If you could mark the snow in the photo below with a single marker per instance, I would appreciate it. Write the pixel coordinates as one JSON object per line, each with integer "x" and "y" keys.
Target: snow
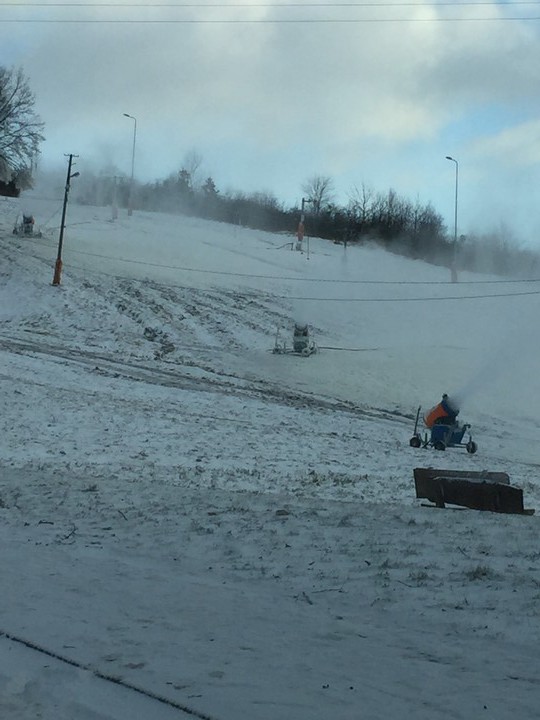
{"x": 235, "y": 531}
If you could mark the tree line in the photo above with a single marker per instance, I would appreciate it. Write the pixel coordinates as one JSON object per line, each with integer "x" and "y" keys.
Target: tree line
{"x": 407, "y": 227}
{"x": 400, "y": 225}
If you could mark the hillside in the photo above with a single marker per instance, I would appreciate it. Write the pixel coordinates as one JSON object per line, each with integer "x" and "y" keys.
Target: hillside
{"x": 233, "y": 530}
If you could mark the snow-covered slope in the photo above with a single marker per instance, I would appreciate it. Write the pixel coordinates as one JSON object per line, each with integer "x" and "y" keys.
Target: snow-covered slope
{"x": 235, "y": 530}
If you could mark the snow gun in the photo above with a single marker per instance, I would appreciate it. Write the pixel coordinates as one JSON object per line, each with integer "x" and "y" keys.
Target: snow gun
{"x": 445, "y": 429}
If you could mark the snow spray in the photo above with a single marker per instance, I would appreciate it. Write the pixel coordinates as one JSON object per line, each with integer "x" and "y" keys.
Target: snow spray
{"x": 500, "y": 363}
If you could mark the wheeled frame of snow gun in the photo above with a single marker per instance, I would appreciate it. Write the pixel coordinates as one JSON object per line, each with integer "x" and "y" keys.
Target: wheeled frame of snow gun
{"x": 26, "y": 226}
{"x": 443, "y": 435}
{"x": 303, "y": 343}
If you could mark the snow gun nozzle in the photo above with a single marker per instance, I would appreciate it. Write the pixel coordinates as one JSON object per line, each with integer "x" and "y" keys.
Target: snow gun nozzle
{"x": 445, "y": 412}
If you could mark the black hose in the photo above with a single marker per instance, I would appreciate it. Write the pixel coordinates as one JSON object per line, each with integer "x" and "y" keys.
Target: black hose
{"x": 105, "y": 676}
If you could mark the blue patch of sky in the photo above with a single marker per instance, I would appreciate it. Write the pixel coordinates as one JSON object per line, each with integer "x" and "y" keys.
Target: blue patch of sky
{"x": 486, "y": 121}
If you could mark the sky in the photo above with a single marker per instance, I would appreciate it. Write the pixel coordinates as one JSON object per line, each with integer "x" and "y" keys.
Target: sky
{"x": 271, "y": 94}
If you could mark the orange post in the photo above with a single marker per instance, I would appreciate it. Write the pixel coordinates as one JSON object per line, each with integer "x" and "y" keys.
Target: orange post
{"x": 57, "y": 272}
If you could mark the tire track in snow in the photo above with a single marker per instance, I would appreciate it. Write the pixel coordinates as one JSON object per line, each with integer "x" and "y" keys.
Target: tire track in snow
{"x": 227, "y": 384}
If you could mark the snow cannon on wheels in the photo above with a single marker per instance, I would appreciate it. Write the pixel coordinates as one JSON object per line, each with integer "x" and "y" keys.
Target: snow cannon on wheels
{"x": 303, "y": 342}
{"x": 445, "y": 429}
{"x": 26, "y": 226}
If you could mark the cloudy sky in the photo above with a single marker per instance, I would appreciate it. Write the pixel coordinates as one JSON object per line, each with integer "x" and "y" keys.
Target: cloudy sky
{"x": 272, "y": 93}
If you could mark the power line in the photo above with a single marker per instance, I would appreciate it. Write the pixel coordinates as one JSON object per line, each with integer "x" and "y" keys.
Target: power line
{"x": 202, "y": 6}
{"x": 261, "y": 295}
{"x": 413, "y": 299}
{"x": 337, "y": 281}
{"x": 277, "y": 6}
{"x": 271, "y": 21}
{"x": 312, "y": 299}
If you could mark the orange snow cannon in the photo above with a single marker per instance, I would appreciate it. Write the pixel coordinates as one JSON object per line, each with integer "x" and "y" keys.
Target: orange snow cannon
{"x": 446, "y": 431}
{"x": 443, "y": 413}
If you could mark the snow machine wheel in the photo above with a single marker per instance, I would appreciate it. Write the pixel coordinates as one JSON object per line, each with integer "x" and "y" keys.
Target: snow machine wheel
{"x": 472, "y": 447}
{"x": 415, "y": 442}
{"x": 439, "y": 445}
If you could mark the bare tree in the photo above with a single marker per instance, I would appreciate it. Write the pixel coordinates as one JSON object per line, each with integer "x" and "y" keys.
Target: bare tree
{"x": 360, "y": 204}
{"x": 320, "y": 190}
{"x": 20, "y": 127}
{"x": 192, "y": 164}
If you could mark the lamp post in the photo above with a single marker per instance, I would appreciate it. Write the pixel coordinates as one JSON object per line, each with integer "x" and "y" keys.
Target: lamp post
{"x": 114, "y": 199}
{"x": 453, "y": 269}
{"x": 300, "y": 231}
{"x": 58, "y": 265}
{"x": 130, "y": 200}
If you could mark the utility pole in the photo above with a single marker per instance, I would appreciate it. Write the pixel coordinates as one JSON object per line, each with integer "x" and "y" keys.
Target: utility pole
{"x": 301, "y": 228}
{"x": 58, "y": 265}
{"x": 114, "y": 200}
{"x": 130, "y": 200}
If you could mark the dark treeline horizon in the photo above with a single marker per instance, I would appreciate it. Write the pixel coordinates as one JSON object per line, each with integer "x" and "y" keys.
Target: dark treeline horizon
{"x": 412, "y": 229}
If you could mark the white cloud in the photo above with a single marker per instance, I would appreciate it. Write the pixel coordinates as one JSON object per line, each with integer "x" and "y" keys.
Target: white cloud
{"x": 261, "y": 98}
{"x": 515, "y": 146}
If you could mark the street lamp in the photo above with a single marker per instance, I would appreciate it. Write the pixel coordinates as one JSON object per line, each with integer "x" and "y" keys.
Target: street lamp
{"x": 130, "y": 200}
{"x": 300, "y": 231}
{"x": 453, "y": 269}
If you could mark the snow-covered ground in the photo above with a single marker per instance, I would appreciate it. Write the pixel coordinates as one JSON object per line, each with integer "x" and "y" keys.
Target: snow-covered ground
{"x": 193, "y": 526}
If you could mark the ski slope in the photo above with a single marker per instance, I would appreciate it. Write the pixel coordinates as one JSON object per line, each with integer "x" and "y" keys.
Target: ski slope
{"x": 234, "y": 531}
